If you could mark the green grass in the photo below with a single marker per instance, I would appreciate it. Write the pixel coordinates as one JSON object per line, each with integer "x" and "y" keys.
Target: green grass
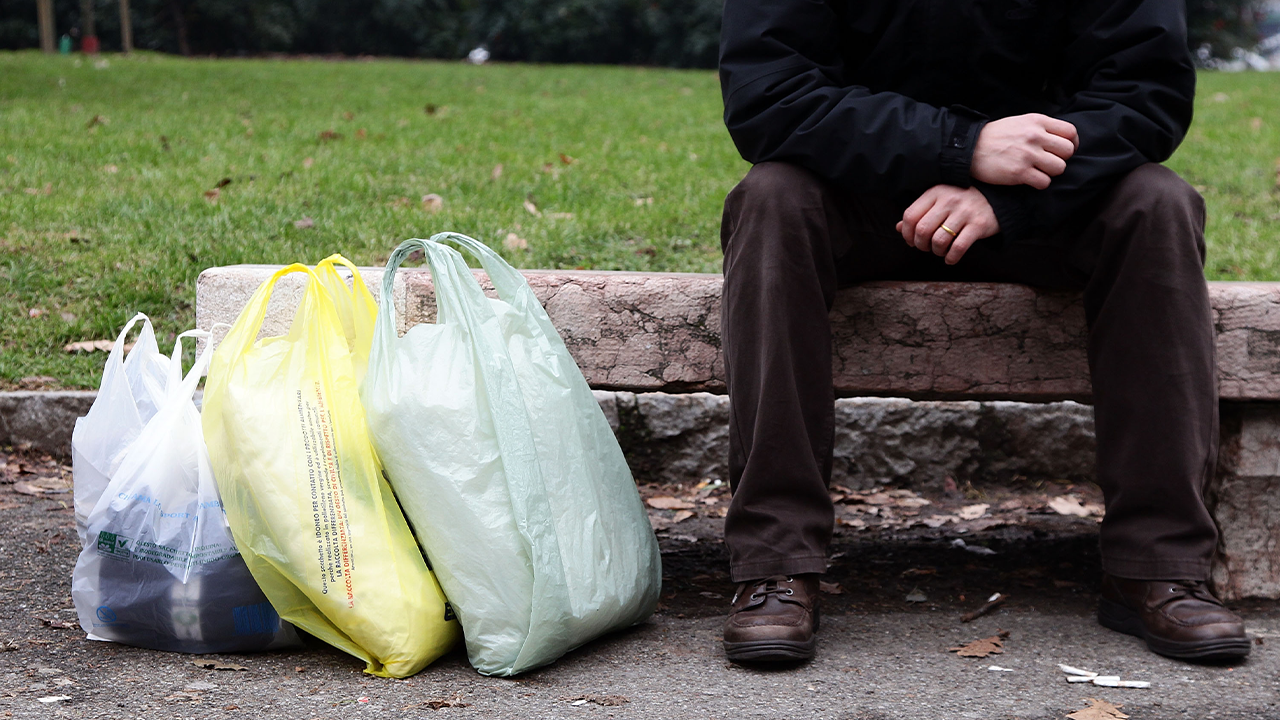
{"x": 650, "y": 163}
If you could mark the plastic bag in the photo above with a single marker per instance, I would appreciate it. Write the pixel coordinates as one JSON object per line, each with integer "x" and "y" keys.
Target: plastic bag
{"x": 316, "y": 522}
{"x": 507, "y": 467}
{"x": 160, "y": 569}
{"x": 131, "y": 390}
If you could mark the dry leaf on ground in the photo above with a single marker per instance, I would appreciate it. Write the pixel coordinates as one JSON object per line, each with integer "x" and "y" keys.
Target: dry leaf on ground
{"x": 566, "y": 159}
{"x": 432, "y": 202}
{"x": 605, "y": 700}
{"x": 305, "y": 223}
{"x": 308, "y": 162}
{"x": 830, "y": 588}
{"x": 993, "y": 645}
{"x": 217, "y": 665}
{"x": 453, "y": 702}
{"x": 666, "y": 502}
{"x": 533, "y": 209}
{"x": 681, "y": 516}
{"x": 1098, "y": 710}
{"x": 59, "y": 624}
{"x": 1068, "y": 505}
{"x": 328, "y": 135}
{"x": 973, "y": 512}
{"x": 42, "y": 487}
{"x": 496, "y": 173}
{"x": 515, "y": 242}
{"x": 212, "y": 195}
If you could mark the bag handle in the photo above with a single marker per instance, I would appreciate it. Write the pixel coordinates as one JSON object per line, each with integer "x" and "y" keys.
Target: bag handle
{"x": 185, "y": 387}
{"x": 117, "y": 358}
{"x": 245, "y": 331}
{"x": 355, "y": 305}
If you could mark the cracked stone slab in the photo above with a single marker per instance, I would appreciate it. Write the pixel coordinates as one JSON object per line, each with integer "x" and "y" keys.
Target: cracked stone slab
{"x": 660, "y": 332}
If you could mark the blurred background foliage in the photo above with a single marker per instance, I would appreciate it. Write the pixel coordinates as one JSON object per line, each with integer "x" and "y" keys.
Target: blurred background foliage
{"x": 674, "y": 33}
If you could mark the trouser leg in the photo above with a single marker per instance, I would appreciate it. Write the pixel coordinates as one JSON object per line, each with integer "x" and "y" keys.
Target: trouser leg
{"x": 782, "y": 233}
{"x": 1152, "y": 360}
{"x": 1140, "y": 260}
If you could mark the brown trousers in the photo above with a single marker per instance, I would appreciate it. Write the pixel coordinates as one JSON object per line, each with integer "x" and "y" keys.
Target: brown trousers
{"x": 790, "y": 240}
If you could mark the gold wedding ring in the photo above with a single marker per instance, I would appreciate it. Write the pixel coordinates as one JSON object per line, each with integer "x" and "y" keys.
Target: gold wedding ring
{"x": 950, "y": 232}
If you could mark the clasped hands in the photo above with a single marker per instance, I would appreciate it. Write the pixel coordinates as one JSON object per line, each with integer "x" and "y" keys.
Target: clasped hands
{"x": 1020, "y": 150}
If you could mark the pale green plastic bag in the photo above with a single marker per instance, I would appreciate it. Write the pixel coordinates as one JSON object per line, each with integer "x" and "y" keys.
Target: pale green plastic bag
{"x": 506, "y": 467}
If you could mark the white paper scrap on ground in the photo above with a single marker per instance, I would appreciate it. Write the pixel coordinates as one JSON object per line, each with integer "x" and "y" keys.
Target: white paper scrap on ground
{"x": 1078, "y": 679}
{"x": 997, "y": 668}
{"x": 54, "y": 698}
{"x": 1113, "y": 681}
{"x": 1076, "y": 671}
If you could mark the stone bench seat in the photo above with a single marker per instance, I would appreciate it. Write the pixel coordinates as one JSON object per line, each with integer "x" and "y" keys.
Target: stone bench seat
{"x": 660, "y": 332}
{"x": 657, "y": 333}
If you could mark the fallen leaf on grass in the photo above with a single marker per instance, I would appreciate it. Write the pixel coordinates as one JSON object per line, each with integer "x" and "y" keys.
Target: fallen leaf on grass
{"x": 328, "y": 135}
{"x": 432, "y": 202}
{"x": 533, "y": 209}
{"x": 217, "y": 665}
{"x": 308, "y": 162}
{"x": 1098, "y": 710}
{"x": 212, "y": 195}
{"x": 95, "y": 121}
{"x": 223, "y": 182}
{"x": 681, "y": 516}
{"x": 497, "y": 172}
{"x": 973, "y": 512}
{"x": 666, "y": 502}
{"x": 605, "y": 700}
{"x": 1068, "y": 505}
{"x": 515, "y": 242}
{"x": 566, "y": 159}
{"x": 993, "y": 645}
{"x": 305, "y": 223}
{"x": 830, "y": 588}
{"x": 46, "y": 190}
{"x": 560, "y": 216}
{"x": 91, "y": 346}
{"x": 643, "y": 201}
{"x": 429, "y": 108}
{"x": 35, "y": 313}
{"x": 362, "y": 133}
{"x": 111, "y": 169}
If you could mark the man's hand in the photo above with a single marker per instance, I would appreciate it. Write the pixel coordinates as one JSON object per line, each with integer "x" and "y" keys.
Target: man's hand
{"x": 1023, "y": 150}
{"x": 965, "y": 212}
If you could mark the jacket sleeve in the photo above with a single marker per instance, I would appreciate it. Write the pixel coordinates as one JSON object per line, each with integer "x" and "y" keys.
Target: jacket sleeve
{"x": 785, "y": 99}
{"x": 1128, "y": 83}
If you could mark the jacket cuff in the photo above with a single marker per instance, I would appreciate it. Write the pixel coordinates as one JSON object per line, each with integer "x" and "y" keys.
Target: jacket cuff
{"x": 1012, "y": 205}
{"x": 959, "y": 136}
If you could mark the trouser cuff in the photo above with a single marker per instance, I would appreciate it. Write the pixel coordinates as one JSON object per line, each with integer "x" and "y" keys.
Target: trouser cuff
{"x": 743, "y": 572}
{"x": 1155, "y": 568}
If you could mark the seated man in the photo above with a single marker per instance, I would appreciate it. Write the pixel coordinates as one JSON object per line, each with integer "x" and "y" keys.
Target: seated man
{"x": 1001, "y": 140}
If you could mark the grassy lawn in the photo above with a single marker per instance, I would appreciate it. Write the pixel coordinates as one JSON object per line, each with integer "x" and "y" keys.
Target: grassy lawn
{"x": 106, "y": 174}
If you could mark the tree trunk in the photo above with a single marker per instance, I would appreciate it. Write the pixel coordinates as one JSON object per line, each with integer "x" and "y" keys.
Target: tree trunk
{"x": 180, "y": 24}
{"x": 44, "y": 15}
{"x": 126, "y": 28}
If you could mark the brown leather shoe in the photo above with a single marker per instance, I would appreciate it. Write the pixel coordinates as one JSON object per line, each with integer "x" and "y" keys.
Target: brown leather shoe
{"x": 1178, "y": 618}
{"x": 773, "y": 620}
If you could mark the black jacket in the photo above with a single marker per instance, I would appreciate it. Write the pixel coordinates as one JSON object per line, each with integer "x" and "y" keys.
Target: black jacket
{"x": 886, "y": 97}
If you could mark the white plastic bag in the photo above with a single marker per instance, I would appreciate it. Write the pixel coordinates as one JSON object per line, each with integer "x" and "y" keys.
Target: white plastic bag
{"x": 507, "y": 468}
{"x": 159, "y": 568}
{"x": 132, "y": 386}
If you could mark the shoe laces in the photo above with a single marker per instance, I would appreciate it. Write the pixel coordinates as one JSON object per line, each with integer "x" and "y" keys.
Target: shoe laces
{"x": 1189, "y": 590}
{"x": 772, "y": 586}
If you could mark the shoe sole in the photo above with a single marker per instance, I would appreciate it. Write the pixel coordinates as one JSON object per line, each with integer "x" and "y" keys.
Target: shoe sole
{"x": 780, "y": 651}
{"x": 1114, "y": 616}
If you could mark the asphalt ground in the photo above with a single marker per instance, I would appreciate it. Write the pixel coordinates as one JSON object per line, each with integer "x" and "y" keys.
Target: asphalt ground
{"x": 880, "y": 655}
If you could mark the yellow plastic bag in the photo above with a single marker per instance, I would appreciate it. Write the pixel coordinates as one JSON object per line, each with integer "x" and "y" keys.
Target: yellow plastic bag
{"x": 313, "y": 517}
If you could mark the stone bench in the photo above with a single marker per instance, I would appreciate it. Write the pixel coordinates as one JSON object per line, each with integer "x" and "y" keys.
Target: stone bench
{"x": 966, "y": 348}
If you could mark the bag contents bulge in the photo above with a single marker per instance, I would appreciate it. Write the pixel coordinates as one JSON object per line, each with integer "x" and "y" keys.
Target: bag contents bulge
{"x": 507, "y": 467}
{"x": 304, "y": 493}
{"x": 158, "y": 567}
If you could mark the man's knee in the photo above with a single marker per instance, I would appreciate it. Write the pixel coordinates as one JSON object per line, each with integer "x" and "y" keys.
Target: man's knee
{"x": 774, "y": 190}
{"x": 1157, "y": 199}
